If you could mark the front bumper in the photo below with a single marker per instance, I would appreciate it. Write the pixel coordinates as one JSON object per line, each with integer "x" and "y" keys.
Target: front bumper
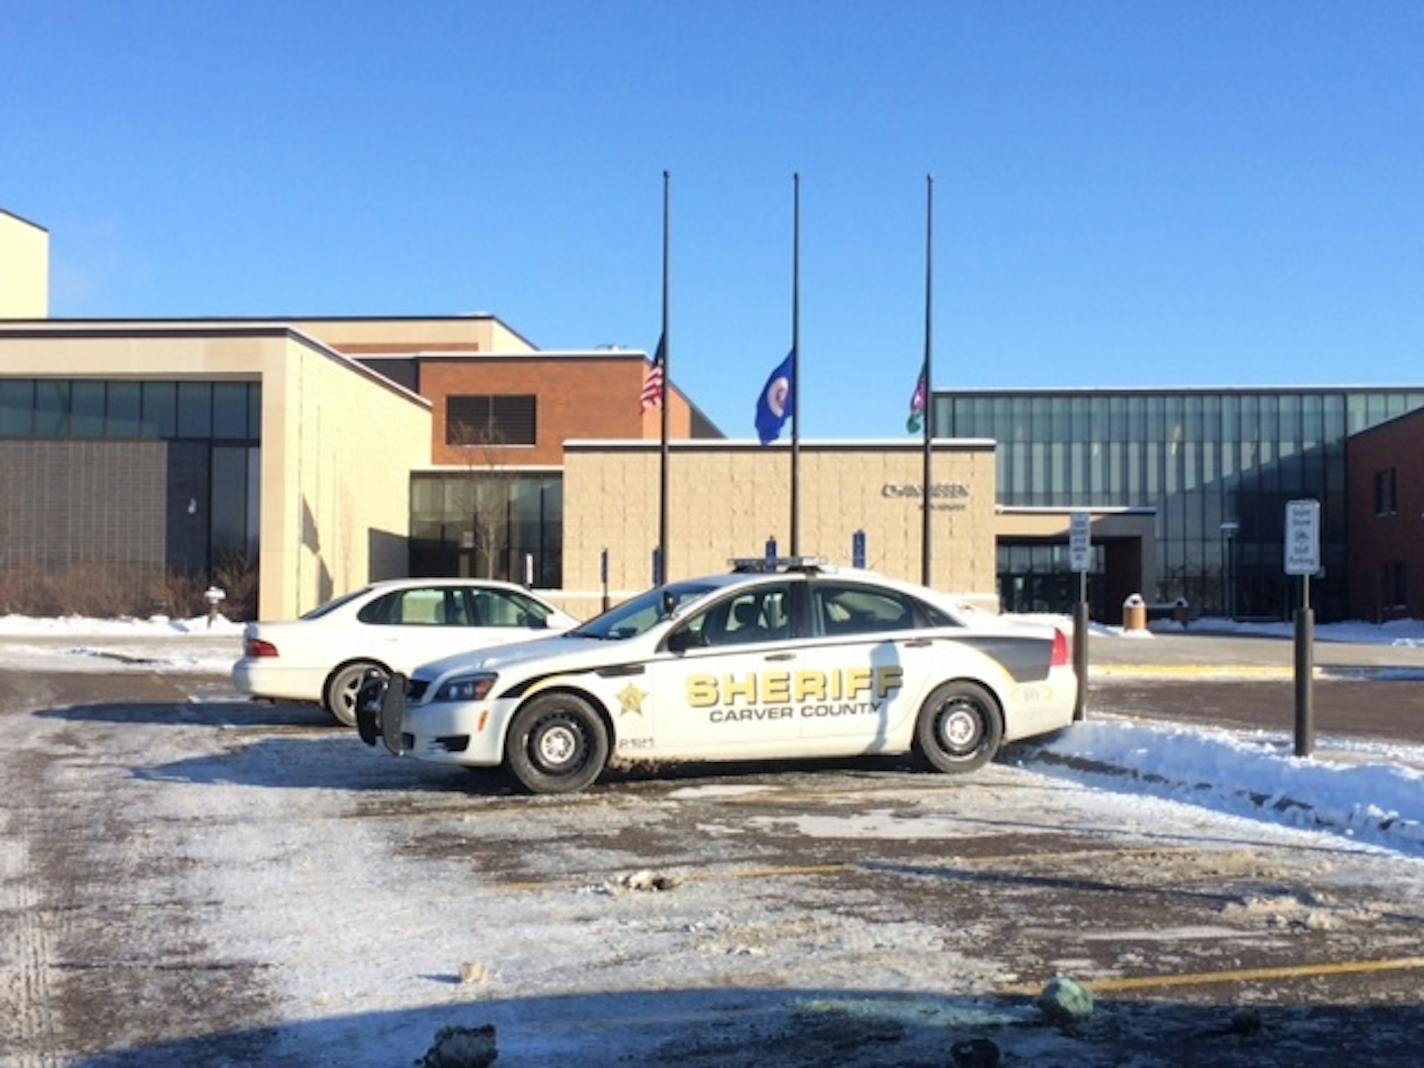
{"x": 467, "y": 733}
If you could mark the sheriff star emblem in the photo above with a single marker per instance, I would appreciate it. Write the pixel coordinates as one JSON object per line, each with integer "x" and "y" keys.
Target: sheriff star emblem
{"x": 631, "y": 699}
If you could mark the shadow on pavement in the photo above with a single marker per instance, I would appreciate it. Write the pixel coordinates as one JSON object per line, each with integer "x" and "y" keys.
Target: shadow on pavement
{"x": 197, "y": 714}
{"x": 782, "y": 1028}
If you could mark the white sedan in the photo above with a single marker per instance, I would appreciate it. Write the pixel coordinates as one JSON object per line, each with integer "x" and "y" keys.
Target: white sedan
{"x": 385, "y": 627}
{"x": 797, "y": 661}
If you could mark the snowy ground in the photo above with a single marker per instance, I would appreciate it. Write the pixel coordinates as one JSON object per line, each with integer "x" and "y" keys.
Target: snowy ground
{"x": 221, "y": 883}
{"x": 79, "y": 644}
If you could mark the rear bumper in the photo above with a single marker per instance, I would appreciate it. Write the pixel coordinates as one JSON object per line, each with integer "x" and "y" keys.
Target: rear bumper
{"x": 267, "y": 677}
{"x": 1042, "y": 706}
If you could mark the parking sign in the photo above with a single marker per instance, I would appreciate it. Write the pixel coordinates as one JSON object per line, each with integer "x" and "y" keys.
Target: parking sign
{"x": 1079, "y": 545}
{"x": 1302, "y": 537}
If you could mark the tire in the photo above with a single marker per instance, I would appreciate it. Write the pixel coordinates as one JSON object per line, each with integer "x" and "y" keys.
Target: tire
{"x": 556, "y": 744}
{"x": 339, "y": 696}
{"x": 960, "y": 727}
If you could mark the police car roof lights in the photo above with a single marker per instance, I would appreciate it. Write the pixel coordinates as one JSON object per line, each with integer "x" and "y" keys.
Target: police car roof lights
{"x": 771, "y": 564}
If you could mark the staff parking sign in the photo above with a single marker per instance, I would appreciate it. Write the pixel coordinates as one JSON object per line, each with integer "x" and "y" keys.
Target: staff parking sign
{"x": 1302, "y": 537}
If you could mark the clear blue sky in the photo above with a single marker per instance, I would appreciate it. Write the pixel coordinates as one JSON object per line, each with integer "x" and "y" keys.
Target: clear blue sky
{"x": 1128, "y": 193}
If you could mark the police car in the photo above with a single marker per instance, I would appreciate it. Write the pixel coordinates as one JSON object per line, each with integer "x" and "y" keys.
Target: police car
{"x": 791, "y": 659}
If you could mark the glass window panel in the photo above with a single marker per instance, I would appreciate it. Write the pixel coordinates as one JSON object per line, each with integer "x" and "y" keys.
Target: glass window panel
{"x": 1082, "y": 418}
{"x": 1312, "y": 421}
{"x": 51, "y": 408}
{"x": 17, "y": 407}
{"x": 1176, "y": 418}
{"x": 1358, "y": 415}
{"x": 1156, "y": 419}
{"x": 425, "y": 496}
{"x": 1376, "y": 409}
{"x": 160, "y": 410}
{"x": 1395, "y": 405}
{"x": 122, "y": 419}
{"x": 1190, "y": 478}
{"x": 86, "y": 409}
{"x": 1290, "y": 426}
{"x": 1154, "y": 469}
{"x": 229, "y": 409}
{"x": 254, "y": 411}
{"x": 228, "y": 509}
{"x": 254, "y": 501}
{"x": 1039, "y": 463}
{"x": 195, "y": 409}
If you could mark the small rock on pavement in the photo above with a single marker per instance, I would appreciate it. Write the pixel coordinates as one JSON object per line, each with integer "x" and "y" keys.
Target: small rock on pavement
{"x": 461, "y": 1047}
{"x": 648, "y": 881}
{"x": 471, "y": 973}
{"x": 1065, "y": 1002}
{"x": 974, "y": 1053}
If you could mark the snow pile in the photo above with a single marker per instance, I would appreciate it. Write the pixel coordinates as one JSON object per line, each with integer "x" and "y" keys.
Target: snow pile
{"x": 123, "y": 626}
{"x": 1252, "y": 775}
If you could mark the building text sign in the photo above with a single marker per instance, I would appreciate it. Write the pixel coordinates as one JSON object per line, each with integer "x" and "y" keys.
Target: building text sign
{"x": 1302, "y": 537}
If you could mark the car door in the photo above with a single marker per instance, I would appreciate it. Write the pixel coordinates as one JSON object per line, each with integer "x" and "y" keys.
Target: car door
{"x": 861, "y": 673}
{"x": 722, "y": 688}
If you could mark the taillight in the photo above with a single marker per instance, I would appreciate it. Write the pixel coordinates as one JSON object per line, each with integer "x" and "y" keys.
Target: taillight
{"x": 1060, "y": 650}
{"x": 257, "y": 647}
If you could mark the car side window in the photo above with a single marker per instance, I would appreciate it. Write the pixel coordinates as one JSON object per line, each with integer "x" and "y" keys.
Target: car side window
{"x": 503, "y": 608}
{"x": 760, "y": 614}
{"x": 847, "y": 609}
{"x": 422, "y": 607}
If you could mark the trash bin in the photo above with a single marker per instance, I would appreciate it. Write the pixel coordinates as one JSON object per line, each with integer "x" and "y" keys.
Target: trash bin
{"x": 1134, "y": 613}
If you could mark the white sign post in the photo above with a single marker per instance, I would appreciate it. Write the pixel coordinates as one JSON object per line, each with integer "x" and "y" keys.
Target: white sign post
{"x": 1302, "y": 557}
{"x": 1080, "y": 557}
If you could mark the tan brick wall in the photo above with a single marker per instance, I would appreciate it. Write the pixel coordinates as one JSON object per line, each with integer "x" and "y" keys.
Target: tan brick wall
{"x": 339, "y": 449}
{"x": 726, "y": 501}
{"x": 24, "y": 269}
{"x": 414, "y": 335}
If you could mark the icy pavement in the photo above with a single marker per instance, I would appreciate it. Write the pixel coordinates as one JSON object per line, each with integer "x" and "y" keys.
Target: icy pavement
{"x": 228, "y": 883}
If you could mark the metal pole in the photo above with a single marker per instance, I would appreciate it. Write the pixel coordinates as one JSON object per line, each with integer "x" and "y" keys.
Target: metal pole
{"x": 667, "y": 386}
{"x": 795, "y": 364}
{"x": 926, "y": 526}
{"x": 1080, "y": 647}
{"x": 1304, "y": 669}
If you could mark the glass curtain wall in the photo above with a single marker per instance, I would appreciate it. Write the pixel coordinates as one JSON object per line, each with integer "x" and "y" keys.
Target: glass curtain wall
{"x": 481, "y": 524}
{"x": 1204, "y": 459}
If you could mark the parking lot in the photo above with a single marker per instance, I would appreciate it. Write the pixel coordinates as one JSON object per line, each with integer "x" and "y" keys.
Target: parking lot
{"x": 192, "y": 879}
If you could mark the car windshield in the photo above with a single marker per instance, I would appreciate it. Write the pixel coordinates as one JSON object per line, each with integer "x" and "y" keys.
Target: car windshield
{"x": 331, "y": 606}
{"x": 632, "y": 618}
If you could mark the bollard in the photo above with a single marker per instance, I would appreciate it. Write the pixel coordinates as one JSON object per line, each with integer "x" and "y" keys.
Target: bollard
{"x": 1080, "y": 658}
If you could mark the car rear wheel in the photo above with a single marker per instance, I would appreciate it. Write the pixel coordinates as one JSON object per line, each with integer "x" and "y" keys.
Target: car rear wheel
{"x": 959, "y": 728}
{"x": 557, "y": 743}
{"x": 339, "y": 697}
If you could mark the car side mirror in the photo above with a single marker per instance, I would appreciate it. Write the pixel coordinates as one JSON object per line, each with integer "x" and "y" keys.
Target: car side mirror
{"x": 684, "y": 639}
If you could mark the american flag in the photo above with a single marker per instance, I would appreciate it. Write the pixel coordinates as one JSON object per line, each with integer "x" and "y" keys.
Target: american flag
{"x": 653, "y": 381}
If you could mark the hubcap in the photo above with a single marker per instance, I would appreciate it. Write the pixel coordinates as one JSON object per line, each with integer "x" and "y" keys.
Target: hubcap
{"x": 959, "y": 727}
{"x": 557, "y": 745}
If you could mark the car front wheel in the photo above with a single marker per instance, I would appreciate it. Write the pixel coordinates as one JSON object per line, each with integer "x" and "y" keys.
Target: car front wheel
{"x": 339, "y": 697}
{"x": 959, "y": 728}
{"x": 557, "y": 743}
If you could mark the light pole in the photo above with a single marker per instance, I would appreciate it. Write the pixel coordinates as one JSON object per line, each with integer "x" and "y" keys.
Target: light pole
{"x": 1228, "y": 532}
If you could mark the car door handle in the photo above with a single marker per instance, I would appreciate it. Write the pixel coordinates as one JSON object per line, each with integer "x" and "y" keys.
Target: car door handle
{"x": 918, "y": 643}
{"x": 780, "y": 656}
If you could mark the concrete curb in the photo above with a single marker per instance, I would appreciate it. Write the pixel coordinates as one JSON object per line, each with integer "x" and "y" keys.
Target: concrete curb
{"x": 1257, "y": 672}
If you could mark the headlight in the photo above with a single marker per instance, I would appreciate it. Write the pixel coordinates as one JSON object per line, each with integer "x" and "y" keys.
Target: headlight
{"x": 466, "y": 688}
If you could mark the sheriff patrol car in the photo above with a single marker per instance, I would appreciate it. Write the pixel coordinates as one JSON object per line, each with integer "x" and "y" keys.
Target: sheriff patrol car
{"x": 794, "y": 659}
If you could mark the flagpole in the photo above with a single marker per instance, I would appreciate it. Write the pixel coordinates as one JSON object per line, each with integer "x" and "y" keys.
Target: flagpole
{"x": 663, "y": 572}
{"x": 926, "y": 527}
{"x": 795, "y": 364}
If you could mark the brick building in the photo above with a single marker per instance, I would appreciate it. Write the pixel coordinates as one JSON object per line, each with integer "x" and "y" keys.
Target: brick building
{"x": 1386, "y": 465}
